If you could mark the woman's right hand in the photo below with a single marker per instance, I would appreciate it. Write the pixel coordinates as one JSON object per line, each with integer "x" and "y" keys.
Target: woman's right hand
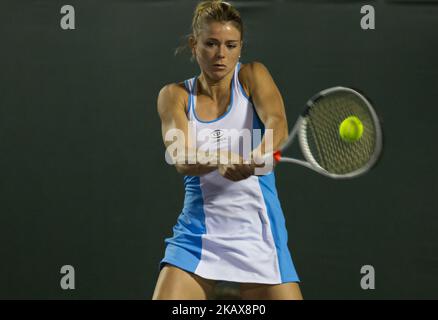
{"x": 236, "y": 172}
{"x": 238, "y": 169}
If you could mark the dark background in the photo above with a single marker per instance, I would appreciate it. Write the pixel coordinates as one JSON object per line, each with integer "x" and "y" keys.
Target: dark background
{"x": 83, "y": 179}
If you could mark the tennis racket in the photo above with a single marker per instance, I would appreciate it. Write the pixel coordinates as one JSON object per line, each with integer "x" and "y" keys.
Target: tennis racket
{"x": 323, "y": 142}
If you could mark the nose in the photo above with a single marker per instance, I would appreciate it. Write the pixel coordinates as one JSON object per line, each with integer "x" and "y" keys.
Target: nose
{"x": 221, "y": 51}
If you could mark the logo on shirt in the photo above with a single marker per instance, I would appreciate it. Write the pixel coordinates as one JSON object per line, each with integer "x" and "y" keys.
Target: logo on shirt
{"x": 216, "y": 135}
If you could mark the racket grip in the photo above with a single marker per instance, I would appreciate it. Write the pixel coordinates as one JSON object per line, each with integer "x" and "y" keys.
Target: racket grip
{"x": 277, "y": 156}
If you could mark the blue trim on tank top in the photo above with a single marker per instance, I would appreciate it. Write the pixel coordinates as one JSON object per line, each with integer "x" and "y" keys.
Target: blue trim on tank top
{"x": 230, "y": 106}
{"x": 240, "y": 85}
{"x": 186, "y": 84}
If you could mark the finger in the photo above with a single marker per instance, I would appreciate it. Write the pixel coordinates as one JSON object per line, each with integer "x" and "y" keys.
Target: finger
{"x": 229, "y": 176}
{"x": 246, "y": 171}
{"x": 225, "y": 171}
{"x": 234, "y": 176}
{"x": 242, "y": 172}
{"x": 234, "y": 173}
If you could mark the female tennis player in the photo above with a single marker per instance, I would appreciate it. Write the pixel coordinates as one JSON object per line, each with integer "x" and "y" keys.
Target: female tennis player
{"x": 231, "y": 227}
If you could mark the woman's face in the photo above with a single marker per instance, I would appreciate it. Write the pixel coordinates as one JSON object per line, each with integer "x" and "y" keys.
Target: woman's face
{"x": 218, "y": 44}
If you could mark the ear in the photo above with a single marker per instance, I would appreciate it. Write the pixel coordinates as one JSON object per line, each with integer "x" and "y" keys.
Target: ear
{"x": 192, "y": 44}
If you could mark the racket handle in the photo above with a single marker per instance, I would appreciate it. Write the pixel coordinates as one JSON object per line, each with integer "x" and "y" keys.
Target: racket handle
{"x": 277, "y": 156}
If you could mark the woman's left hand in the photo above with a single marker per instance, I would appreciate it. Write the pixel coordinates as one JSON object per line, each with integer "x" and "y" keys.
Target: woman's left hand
{"x": 238, "y": 169}
{"x": 236, "y": 172}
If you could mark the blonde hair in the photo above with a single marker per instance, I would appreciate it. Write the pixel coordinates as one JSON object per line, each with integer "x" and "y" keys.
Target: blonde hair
{"x": 209, "y": 11}
{"x": 215, "y": 10}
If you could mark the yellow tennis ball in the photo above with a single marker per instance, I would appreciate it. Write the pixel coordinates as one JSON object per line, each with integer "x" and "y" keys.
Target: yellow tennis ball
{"x": 351, "y": 129}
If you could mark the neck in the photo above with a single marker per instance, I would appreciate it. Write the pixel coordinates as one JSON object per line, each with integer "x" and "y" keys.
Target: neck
{"x": 214, "y": 89}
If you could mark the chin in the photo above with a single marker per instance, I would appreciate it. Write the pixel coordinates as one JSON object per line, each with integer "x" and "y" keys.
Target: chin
{"x": 219, "y": 73}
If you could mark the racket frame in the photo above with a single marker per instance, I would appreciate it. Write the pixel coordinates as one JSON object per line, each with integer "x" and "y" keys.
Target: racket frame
{"x": 299, "y": 129}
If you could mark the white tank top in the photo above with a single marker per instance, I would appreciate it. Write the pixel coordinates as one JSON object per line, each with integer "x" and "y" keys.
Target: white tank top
{"x": 240, "y": 115}
{"x": 231, "y": 216}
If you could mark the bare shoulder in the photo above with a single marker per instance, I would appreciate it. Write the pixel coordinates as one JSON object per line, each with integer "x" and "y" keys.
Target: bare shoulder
{"x": 252, "y": 73}
{"x": 172, "y": 95}
{"x": 174, "y": 91}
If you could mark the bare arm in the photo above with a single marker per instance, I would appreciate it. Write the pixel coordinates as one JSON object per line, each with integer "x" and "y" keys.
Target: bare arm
{"x": 171, "y": 110}
{"x": 268, "y": 104}
{"x": 270, "y": 108}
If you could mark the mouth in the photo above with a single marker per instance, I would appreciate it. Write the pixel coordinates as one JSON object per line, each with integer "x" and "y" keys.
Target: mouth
{"x": 219, "y": 66}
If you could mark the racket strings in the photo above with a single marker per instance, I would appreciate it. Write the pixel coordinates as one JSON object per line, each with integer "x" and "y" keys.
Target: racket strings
{"x": 324, "y": 143}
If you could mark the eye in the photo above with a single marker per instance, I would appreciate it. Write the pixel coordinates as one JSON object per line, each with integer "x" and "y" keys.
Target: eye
{"x": 232, "y": 46}
{"x": 210, "y": 44}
